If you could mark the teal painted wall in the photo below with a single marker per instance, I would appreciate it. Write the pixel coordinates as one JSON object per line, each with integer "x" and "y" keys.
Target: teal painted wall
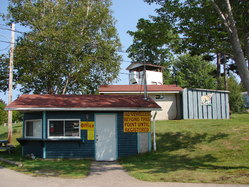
{"x": 60, "y": 149}
{"x": 33, "y": 147}
{"x": 126, "y": 142}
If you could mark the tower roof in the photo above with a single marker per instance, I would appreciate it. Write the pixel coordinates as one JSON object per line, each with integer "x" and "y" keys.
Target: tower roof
{"x": 135, "y": 65}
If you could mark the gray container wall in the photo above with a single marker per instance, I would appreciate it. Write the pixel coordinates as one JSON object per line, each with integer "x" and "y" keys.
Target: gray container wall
{"x": 194, "y": 109}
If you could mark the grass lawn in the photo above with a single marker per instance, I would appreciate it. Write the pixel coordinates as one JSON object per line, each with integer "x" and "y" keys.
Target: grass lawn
{"x": 60, "y": 167}
{"x": 196, "y": 151}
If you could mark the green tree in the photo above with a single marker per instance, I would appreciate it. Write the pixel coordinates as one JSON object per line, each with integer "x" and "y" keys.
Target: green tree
{"x": 4, "y": 72}
{"x": 17, "y": 116}
{"x": 3, "y": 113}
{"x": 236, "y": 99}
{"x": 210, "y": 26}
{"x": 152, "y": 43}
{"x": 71, "y": 47}
{"x": 194, "y": 72}
{"x": 197, "y": 24}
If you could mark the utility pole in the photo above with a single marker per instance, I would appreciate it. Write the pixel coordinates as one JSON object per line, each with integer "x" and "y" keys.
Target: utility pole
{"x": 11, "y": 81}
{"x": 145, "y": 78}
{"x": 145, "y": 83}
{"x": 224, "y": 61}
{"x": 218, "y": 76}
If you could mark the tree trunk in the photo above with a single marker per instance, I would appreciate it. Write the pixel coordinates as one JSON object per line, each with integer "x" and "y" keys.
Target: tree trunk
{"x": 247, "y": 44}
{"x": 239, "y": 56}
{"x": 240, "y": 61}
{"x": 65, "y": 86}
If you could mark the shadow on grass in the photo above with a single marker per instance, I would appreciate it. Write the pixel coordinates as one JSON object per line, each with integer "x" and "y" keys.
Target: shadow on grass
{"x": 4, "y": 136}
{"x": 166, "y": 160}
{"x": 16, "y": 129}
{"x": 62, "y": 167}
{"x": 14, "y": 155}
{"x": 55, "y": 167}
{"x": 187, "y": 140}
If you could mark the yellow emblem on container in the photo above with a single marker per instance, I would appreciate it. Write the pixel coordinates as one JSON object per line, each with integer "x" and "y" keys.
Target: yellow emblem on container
{"x": 89, "y": 126}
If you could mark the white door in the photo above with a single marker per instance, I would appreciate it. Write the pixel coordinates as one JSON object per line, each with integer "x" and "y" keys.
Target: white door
{"x": 105, "y": 137}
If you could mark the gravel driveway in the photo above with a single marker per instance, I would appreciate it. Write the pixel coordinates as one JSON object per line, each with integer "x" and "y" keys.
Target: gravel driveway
{"x": 104, "y": 174}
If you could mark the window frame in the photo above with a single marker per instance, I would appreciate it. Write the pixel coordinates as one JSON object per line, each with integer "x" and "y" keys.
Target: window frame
{"x": 25, "y": 128}
{"x": 160, "y": 98}
{"x": 63, "y": 137}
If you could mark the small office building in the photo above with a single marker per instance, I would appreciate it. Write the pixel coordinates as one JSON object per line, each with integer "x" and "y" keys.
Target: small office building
{"x": 103, "y": 127}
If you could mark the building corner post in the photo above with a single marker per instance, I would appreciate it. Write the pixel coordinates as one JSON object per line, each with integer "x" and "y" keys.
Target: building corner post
{"x": 44, "y": 133}
{"x": 154, "y": 131}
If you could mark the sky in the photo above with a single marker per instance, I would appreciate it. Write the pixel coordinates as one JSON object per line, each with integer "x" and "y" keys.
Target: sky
{"x": 126, "y": 12}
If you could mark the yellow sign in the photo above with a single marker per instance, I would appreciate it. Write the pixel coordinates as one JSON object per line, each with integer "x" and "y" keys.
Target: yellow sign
{"x": 137, "y": 121}
{"x": 89, "y": 126}
{"x": 85, "y": 125}
{"x": 90, "y": 134}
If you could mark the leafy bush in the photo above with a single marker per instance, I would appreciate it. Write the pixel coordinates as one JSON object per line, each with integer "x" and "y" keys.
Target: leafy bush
{"x": 17, "y": 116}
{"x": 3, "y": 113}
{"x": 194, "y": 72}
{"x": 236, "y": 100}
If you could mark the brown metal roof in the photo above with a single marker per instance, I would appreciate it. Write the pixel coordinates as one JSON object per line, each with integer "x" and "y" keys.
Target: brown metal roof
{"x": 82, "y": 102}
{"x": 138, "y": 88}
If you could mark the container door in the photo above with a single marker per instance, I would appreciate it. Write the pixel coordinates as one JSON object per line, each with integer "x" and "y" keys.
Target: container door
{"x": 105, "y": 137}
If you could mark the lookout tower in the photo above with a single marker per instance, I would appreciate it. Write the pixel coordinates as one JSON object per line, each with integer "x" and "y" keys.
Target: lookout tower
{"x": 154, "y": 73}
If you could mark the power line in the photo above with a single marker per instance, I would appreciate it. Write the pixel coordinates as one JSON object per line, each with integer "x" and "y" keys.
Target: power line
{"x": 122, "y": 52}
{"x": 4, "y": 25}
{"x": 6, "y": 42}
{"x": 4, "y": 48}
{"x": 125, "y": 61}
{"x": 11, "y": 30}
